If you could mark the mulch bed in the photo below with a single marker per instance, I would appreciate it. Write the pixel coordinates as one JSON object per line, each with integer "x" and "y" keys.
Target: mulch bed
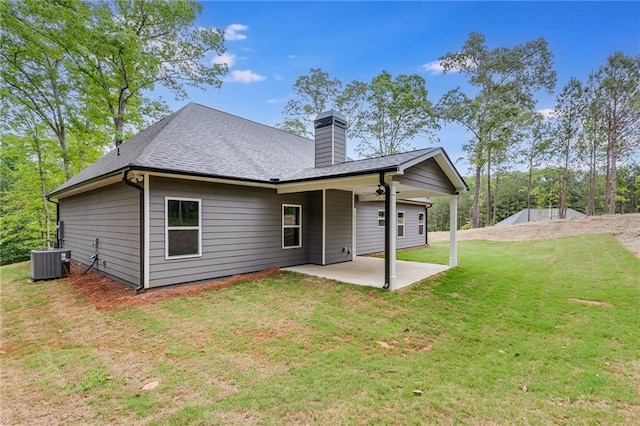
{"x": 107, "y": 294}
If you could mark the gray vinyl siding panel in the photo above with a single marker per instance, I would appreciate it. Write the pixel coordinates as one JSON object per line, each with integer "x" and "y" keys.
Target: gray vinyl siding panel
{"x": 324, "y": 148}
{"x": 112, "y": 215}
{"x": 241, "y": 231}
{"x": 313, "y": 227}
{"x": 339, "y": 231}
{"x": 330, "y": 148}
{"x": 370, "y": 237}
{"x": 339, "y": 147}
{"x": 427, "y": 175}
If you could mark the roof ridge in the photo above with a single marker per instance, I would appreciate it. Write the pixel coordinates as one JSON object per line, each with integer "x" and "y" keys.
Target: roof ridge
{"x": 156, "y": 142}
{"x": 252, "y": 121}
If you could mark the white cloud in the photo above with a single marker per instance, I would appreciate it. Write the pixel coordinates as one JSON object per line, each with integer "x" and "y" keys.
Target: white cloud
{"x": 547, "y": 112}
{"x": 225, "y": 58}
{"x": 233, "y": 32}
{"x": 244, "y": 76}
{"x": 292, "y": 56}
{"x": 275, "y": 100}
{"x": 434, "y": 67}
{"x": 278, "y": 77}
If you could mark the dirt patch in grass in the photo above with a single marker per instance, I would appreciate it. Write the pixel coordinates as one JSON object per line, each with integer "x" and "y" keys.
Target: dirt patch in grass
{"x": 591, "y": 302}
{"x": 625, "y": 228}
{"x": 107, "y": 294}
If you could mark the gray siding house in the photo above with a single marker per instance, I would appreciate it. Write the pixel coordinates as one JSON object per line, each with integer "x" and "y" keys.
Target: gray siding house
{"x": 203, "y": 194}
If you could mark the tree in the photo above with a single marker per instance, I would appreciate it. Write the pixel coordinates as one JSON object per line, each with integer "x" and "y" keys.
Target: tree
{"x": 313, "y": 94}
{"x": 384, "y": 114}
{"x": 76, "y": 73}
{"x": 394, "y": 111}
{"x": 568, "y": 125}
{"x": 617, "y": 86}
{"x": 30, "y": 170}
{"x": 535, "y": 150}
{"x": 131, "y": 46}
{"x": 591, "y": 142}
{"x": 35, "y": 72}
{"x": 506, "y": 80}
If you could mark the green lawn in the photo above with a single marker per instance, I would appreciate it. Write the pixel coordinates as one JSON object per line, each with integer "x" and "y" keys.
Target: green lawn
{"x": 293, "y": 349}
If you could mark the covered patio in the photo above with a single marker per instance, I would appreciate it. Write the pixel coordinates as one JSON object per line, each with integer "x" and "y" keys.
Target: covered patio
{"x": 403, "y": 177}
{"x": 369, "y": 271}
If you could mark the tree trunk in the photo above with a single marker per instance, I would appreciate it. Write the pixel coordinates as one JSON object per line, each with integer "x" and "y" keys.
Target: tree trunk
{"x": 529, "y": 187}
{"x": 591, "y": 197}
{"x": 61, "y": 129}
{"x": 613, "y": 178}
{"x": 562, "y": 210}
{"x": 43, "y": 195}
{"x": 475, "y": 209}
{"x": 495, "y": 199}
{"x": 118, "y": 124}
{"x": 488, "y": 220}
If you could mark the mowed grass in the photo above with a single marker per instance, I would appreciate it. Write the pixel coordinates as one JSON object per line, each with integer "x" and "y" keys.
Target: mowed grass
{"x": 501, "y": 339}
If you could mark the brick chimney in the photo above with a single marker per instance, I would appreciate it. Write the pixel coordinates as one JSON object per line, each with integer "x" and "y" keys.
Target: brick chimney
{"x": 330, "y": 137}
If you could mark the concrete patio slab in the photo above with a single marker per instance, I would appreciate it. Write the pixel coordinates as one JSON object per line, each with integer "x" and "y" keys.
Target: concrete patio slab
{"x": 369, "y": 271}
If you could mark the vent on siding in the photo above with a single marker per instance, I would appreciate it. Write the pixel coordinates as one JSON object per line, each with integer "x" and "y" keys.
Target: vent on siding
{"x": 50, "y": 264}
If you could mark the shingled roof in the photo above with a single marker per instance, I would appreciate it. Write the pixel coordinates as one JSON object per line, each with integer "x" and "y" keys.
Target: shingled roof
{"x": 198, "y": 140}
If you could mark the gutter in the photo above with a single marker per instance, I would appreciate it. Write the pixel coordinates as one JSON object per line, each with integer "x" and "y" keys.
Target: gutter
{"x": 126, "y": 181}
{"x": 387, "y": 233}
{"x": 273, "y": 183}
{"x": 86, "y": 182}
{"x": 382, "y": 170}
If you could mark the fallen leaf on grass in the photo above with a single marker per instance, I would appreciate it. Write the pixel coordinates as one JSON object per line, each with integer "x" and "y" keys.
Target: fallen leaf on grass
{"x": 525, "y": 389}
{"x": 384, "y": 344}
{"x": 417, "y": 392}
{"x": 151, "y": 385}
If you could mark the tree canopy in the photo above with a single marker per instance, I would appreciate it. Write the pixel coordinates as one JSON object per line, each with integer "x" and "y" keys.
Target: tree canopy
{"x": 78, "y": 76}
{"x": 505, "y": 82}
{"x": 384, "y": 115}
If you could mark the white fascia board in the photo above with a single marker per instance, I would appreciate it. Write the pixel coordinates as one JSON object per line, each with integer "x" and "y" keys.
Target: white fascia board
{"x": 135, "y": 173}
{"x": 345, "y": 183}
{"x": 90, "y": 186}
{"x": 214, "y": 180}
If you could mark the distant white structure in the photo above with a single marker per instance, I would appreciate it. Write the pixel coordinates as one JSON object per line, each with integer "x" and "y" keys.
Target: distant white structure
{"x": 539, "y": 215}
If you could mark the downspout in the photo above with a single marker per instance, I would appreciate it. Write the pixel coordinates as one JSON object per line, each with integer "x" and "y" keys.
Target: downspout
{"x": 387, "y": 233}
{"x": 126, "y": 181}
{"x": 58, "y": 242}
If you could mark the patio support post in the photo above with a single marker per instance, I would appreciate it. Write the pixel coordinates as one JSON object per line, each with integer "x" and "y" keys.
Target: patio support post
{"x": 392, "y": 230}
{"x": 453, "y": 227}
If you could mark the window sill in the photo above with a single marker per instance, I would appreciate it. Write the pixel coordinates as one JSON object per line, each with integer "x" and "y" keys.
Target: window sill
{"x": 184, "y": 256}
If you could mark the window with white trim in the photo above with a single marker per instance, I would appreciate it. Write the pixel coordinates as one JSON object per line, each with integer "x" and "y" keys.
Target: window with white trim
{"x": 381, "y": 218}
{"x": 291, "y": 226}
{"x": 420, "y": 223}
{"x": 183, "y": 230}
{"x": 400, "y": 224}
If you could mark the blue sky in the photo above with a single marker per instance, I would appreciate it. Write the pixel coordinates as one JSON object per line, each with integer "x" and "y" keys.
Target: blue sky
{"x": 270, "y": 44}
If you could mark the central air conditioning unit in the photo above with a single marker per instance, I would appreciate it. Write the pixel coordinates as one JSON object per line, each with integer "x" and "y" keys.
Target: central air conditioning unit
{"x": 50, "y": 264}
